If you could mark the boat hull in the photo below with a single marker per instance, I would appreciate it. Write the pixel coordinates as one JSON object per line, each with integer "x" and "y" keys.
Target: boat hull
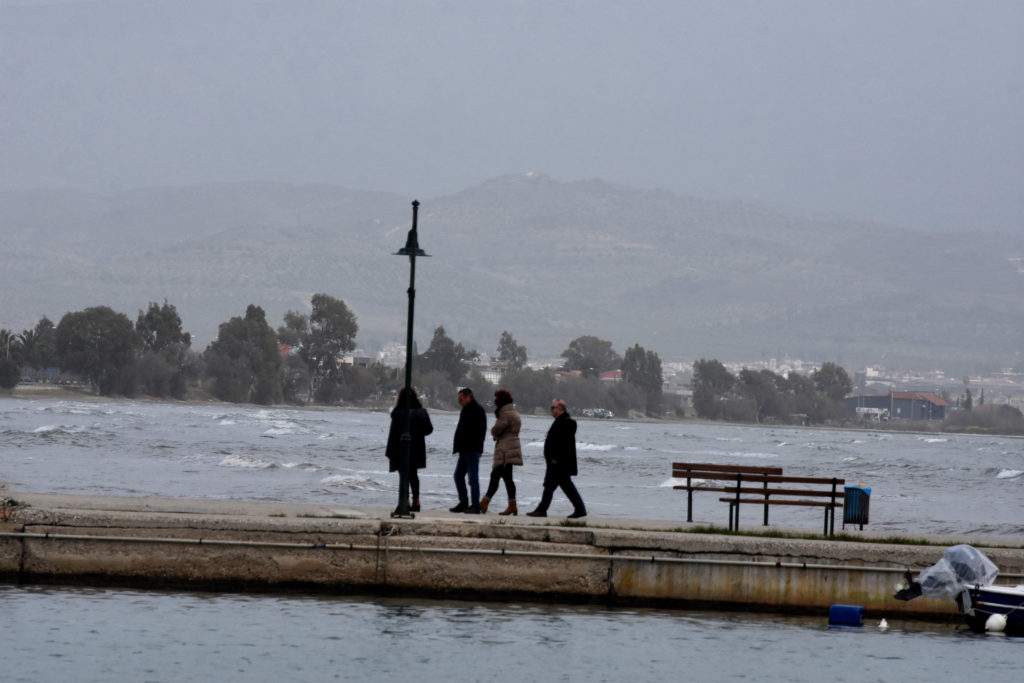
{"x": 980, "y": 602}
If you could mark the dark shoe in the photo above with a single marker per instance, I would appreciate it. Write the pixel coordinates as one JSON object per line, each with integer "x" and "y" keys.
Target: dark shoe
{"x": 484, "y": 502}
{"x": 472, "y": 510}
{"x": 577, "y": 514}
{"x": 461, "y": 507}
{"x": 536, "y": 513}
{"x": 415, "y": 507}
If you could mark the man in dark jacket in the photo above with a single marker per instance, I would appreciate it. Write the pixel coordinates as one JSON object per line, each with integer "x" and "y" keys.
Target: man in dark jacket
{"x": 560, "y": 458}
{"x": 469, "y": 444}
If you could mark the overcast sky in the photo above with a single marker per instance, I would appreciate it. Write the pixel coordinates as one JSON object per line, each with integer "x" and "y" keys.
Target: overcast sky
{"x": 903, "y": 111}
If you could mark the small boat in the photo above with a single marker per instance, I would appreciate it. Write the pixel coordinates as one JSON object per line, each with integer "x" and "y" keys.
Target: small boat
{"x": 979, "y": 603}
{"x": 966, "y": 576}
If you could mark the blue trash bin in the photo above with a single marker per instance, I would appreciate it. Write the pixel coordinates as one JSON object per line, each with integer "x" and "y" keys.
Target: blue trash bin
{"x": 856, "y": 501}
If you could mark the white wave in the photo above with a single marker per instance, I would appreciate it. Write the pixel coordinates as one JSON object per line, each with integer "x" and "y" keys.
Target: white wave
{"x": 278, "y": 431}
{"x": 933, "y": 439}
{"x": 44, "y": 429}
{"x": 354, "y": 481}
{"x": 226, "y": 422}
{"x": 680, "y": 481}
{"x": 1009, "y": 474}
{"x": 304, "y": 466}
{"x": 632, "y": 448}
{"x": 243, "y": 461}
{"x": 595, "y": 447}
{"x": 755, "y": 455}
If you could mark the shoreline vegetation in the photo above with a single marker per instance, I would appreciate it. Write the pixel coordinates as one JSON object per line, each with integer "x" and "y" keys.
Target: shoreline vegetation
{"x": 312, "y": 360}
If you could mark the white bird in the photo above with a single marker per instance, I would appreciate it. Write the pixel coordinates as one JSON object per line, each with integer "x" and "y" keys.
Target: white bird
{"x": 883, "y": 625}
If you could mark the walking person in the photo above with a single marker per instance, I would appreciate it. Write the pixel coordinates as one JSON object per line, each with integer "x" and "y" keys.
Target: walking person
{"x": 419, "y": 427}
{"x": 507, "y": 451}
{"x": 560, "y": 458}
{"x": 469, "y": 445}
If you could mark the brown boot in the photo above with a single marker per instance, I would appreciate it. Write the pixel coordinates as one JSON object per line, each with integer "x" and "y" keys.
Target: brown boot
{"x": 511, "y": 509}
{"x": 484, "y": 502}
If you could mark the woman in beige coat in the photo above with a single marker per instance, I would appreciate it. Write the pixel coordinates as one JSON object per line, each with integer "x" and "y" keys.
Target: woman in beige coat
{"x": 507, "y": 451}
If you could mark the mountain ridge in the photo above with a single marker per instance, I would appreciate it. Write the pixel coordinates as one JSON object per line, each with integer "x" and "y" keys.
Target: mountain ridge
{"x": 544, "y": 259}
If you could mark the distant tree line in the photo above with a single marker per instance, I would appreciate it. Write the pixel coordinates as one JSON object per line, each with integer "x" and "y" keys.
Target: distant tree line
{"x": 303, "y": 361}
{"x": 764, "y": 396}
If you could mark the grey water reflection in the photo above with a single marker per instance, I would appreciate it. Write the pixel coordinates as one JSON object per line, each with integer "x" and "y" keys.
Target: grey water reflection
{"x": 88, "y": 634}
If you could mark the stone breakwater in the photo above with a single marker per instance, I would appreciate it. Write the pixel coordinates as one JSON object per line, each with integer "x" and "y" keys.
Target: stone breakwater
{"x": 229, "y": 545}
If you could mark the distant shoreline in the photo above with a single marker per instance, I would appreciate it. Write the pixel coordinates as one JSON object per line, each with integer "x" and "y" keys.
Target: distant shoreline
{"x": 64, "y": 392}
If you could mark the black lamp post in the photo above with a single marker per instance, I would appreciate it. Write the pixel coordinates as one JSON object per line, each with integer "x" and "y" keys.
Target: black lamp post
{"x": 412, "y": 250}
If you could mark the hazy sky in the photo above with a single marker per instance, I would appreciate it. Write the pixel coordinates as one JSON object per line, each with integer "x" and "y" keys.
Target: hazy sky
{"x": 903, "y": 111}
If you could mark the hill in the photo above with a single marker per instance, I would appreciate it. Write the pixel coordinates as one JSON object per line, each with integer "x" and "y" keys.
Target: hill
{"x": 546, "y": 260}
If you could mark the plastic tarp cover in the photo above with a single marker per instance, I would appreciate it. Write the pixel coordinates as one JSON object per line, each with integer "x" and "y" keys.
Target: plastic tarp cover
{"x": 960, "y": 566}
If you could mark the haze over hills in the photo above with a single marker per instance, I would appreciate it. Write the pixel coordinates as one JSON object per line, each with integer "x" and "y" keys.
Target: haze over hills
{"x": 546, "y": 260}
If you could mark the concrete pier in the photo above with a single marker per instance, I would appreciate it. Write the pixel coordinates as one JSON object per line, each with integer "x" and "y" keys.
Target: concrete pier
{"x": 212, "y": 544}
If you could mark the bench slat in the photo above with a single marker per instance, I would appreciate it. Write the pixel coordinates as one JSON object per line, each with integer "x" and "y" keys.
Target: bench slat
{"x": 816, "y": 503}
{"x": 773, "y": 479}
{"x": 743, "y": 490}
{"x": 709, "y": 467}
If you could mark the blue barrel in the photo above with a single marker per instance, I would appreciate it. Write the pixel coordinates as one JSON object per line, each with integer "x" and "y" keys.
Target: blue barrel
{"x": 856, "y": 501}
{"x": 846, "y": 615}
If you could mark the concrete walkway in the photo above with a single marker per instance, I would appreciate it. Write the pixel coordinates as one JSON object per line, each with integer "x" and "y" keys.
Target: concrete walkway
{"x": 128, "y": 507}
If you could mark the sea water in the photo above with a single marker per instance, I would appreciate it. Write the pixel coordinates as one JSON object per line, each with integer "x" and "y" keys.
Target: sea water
{"x": 920, "y": 484}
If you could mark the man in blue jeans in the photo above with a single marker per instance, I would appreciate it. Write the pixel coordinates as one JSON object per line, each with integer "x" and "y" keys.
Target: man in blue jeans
{"x": 469, "y": 444}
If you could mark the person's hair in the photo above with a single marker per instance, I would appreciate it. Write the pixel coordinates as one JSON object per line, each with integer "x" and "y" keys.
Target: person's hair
{"x": 502, "y": 398}
{"x": 414, "y": 400}
{"x": 560, "y": 403}
{"x": 466, "y": 391}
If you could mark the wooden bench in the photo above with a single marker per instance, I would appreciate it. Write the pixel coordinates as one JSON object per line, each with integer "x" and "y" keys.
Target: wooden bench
{"x": 815, "y": 489}
{"x": 735, "y": 474}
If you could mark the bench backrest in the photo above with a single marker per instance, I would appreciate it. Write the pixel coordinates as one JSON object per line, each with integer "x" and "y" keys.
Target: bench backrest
{"x": 709, "y": 470}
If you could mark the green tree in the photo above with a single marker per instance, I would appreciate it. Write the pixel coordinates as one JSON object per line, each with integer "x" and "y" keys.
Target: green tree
{"x": 159, "y": 328}
{"x": 161, "y": 370}
{"x": 642, "y": 369}
{"x": 762, "y": 391}
{"x": 803, "y": 397}
{"x": 832, "y": 381}
{"x": 295, "y": 383}
{"x": 511, "y": 353}
{"x": 9, "y": 374}
{"x": 712, "y": 385}
{"x": 40, "y": 345}
{"x": 332, "y": 333}
{"x": 444, "y": 355}
{"x": 244, "y": 361}
{"x": 99, "y": 344}
{"x": 591, "y": 356}
{"x": 295, "y": 329}
{"x": 10, "y": 344}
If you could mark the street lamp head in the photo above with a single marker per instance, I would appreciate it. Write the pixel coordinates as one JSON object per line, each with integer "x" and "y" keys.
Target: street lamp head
{"x": 412, "y": 242}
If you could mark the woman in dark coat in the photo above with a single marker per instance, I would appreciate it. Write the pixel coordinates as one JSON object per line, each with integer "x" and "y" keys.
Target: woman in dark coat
{"x": 419, "y": 427}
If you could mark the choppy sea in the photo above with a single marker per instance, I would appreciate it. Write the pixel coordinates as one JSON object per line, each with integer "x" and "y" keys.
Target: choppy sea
{"x": 948, "y": 484}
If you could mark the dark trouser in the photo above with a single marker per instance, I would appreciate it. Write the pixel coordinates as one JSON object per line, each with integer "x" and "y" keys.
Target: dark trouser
{"x": 469, "y": 463}
{"x": 497, "y": 474}
{"x": 414, "y": 482}
{"x": 554, "y": 479}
